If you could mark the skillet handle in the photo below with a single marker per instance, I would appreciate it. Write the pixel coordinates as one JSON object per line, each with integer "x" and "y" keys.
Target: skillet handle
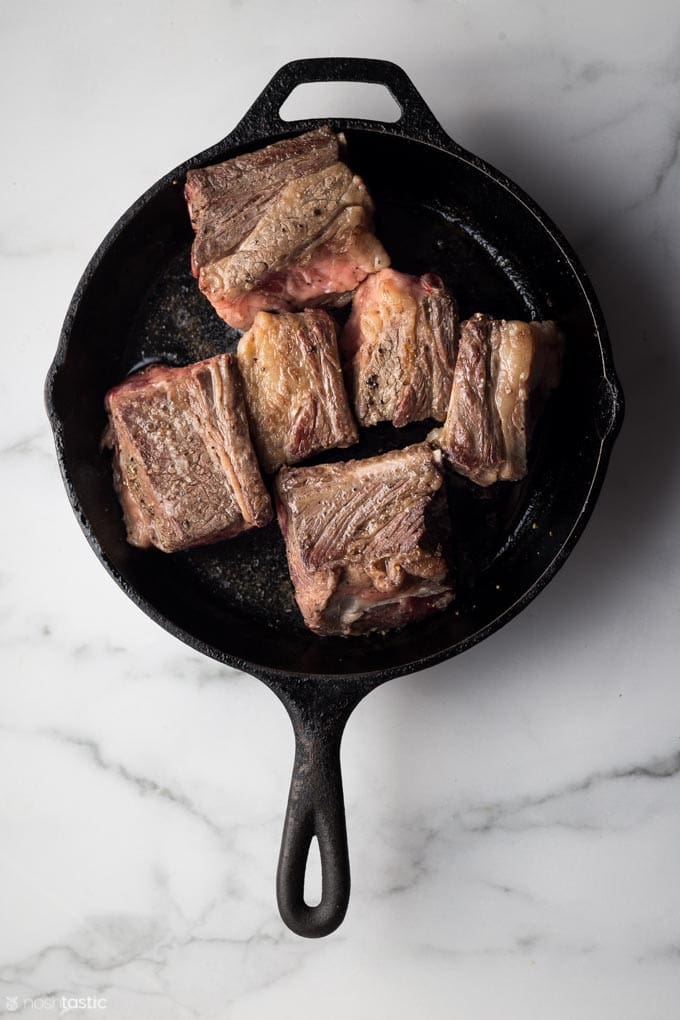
{"x": 315, "y": 808}
{"x": 416, "y": 121}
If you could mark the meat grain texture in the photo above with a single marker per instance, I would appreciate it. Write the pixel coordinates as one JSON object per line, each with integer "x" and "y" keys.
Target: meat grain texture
{"x": 367, "y": 540}
{"x": 399, "y": 346}
{"x": 504, "y": 374}
{"x": 282, "y": 228}
{"x": 297, "y": 405}
{"x": 183, "y": 464}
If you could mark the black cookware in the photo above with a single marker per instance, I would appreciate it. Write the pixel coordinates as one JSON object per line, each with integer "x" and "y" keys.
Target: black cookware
{"x": 438, "y": 208}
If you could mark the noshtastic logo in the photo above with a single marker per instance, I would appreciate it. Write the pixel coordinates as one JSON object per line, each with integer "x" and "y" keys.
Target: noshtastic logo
{"x": 59, "y": 1005}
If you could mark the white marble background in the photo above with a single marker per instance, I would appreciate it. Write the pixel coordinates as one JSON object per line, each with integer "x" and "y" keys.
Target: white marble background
{"x": 513, "y": 815}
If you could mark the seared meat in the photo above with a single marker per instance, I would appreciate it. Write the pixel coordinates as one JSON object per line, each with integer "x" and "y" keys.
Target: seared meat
{"x": 184, "y": 467}
{"x": 297, "y": 405}
{"x": 367, "y": 540}
{"x": 504, "y": 374}
{"x": 399, "y": 346}
{"x": 281, "y": 228}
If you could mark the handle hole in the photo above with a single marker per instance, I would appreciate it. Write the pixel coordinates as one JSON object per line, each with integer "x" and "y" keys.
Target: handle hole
{"x": 340, "y": 99}
{"x": 313, "y": 885}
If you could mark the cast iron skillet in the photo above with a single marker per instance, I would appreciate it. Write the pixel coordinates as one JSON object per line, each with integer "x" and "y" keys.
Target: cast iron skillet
{"x": 438, "y": 208}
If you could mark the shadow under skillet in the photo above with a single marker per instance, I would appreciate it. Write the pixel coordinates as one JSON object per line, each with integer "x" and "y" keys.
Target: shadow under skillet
{"x": 636, "y": 503}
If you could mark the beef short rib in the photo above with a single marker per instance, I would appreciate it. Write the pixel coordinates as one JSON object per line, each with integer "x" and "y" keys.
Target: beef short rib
{"x": 184, "y": 468}
{"x": 504, "y": 373}
{"x": 367, "y": 540}
{"x": 282, "y": 228}
{"x": 399, "y": 347}
{"x": 297, "y": 405}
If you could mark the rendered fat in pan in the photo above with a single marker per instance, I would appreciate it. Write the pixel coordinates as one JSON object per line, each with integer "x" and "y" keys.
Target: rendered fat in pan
{"x": 439, "y": 209}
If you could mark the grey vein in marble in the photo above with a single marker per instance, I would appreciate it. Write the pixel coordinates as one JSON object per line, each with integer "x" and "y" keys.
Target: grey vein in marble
{"x": 496, "y": 814}
{"x": 143, "y": 785}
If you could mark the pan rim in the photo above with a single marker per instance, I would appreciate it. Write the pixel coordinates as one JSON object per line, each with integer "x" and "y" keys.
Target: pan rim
{"x": 234, "y": 143}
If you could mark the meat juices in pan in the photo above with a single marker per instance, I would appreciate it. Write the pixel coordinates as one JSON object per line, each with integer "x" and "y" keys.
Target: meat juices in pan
{"x": 297, "y": 405}
{"x": 399, "y": 346}
{"x": 281, "y": 228}
{"x": 184, "y": 467}
{"x": 504, "y": 373}
{"x": 367, "y": 540}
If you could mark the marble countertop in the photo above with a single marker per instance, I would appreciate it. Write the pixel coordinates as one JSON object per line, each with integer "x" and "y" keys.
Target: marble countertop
{"x": 513, "y": 815}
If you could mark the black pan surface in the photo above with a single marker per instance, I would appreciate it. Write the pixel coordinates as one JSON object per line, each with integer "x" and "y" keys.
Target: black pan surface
{"x": 438, "y": 209}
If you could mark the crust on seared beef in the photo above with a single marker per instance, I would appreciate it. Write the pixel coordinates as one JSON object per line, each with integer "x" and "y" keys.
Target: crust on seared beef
{"x": 399, "y": 346}
{"x": 297, "y": 405}
{"x": 184, "y": 467}
{"x": 282, "y": 228}
{"x": 367, "y": 540}
{"x": 504, "y": 374}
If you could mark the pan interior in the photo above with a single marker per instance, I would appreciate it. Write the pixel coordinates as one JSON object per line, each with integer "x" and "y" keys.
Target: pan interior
{"x": 434, "y": 212}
